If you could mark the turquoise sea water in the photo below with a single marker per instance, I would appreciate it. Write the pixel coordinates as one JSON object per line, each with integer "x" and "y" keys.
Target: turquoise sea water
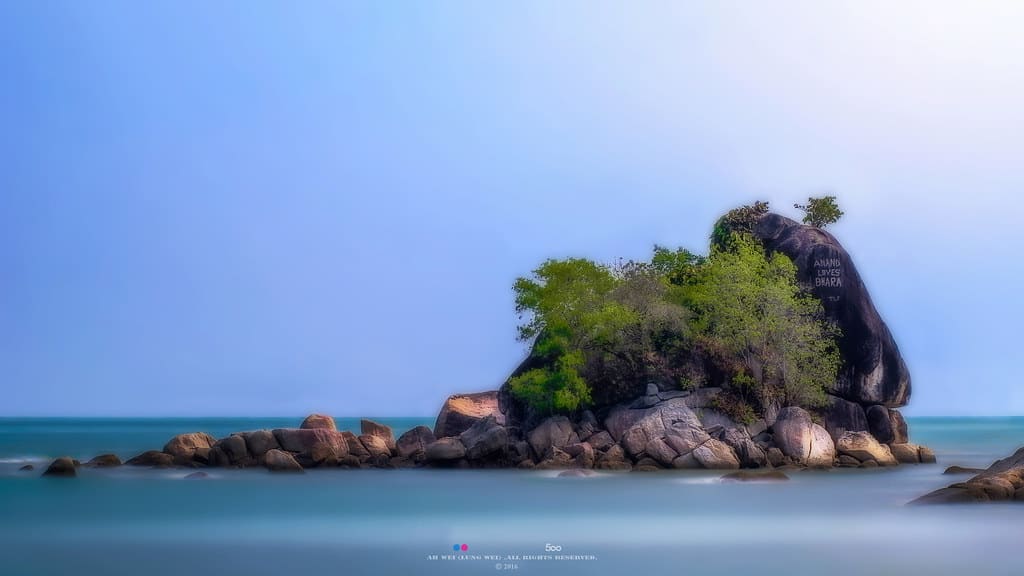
{"x": 155, "y": 522}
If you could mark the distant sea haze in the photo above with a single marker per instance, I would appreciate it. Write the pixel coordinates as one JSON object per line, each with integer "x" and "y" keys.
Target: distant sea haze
{"x": 127, "y": 520}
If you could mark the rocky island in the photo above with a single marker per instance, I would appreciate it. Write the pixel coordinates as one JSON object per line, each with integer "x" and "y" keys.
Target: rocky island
{"x": 767, "y": 353}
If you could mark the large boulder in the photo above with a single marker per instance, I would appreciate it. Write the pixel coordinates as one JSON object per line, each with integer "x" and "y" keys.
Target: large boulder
{"x": 798, "y": 437}
{"x": 460, "y": 411}
{"x": 259, "y": 442}
{"x": 864, "y": 447}
{"x": 63, "y": 467}
{"x": 233, "y": 450}
{"x": 315, "y": 444}
{"x": 672, "y": 420}
{"x": 485, "y": 440}
{"x": 873, "y": 369}
{"x": 280, "y": 461}
{"x": 555, "y": 431}
{"x": 318, "y": 421}
{"x": 413, "y": 444}
{"x": 369, "y": 427}
{"x": 183, "y": 446}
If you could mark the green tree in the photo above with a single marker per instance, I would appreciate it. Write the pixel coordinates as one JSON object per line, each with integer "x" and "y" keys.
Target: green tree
{"x": 567, "y": 306}
{"x": 750, "y": 305}
{"x": 820, "y": 212}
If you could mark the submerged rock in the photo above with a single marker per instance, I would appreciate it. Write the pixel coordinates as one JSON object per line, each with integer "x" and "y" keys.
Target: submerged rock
{"x": 27, "y": 468}
{"x": 104, "y": 461}
{"x": 152, "y": 458}
{"x": 63, "y": 467}
{"x": 756, "y": 476}
{"x": 962, "y": 470}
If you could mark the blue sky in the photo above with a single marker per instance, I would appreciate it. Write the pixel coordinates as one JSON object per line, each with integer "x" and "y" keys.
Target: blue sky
{"x": 260, "y": 208}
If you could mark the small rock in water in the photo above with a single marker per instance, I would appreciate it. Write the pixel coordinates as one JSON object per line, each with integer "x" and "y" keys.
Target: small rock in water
{"x": 62, "y": 467}
{"x": 575, "y": 473}
{"x": 197, "y": 476}
{"x": 27, "y": 467}
{"x": 751, "y": 476}
{"x": 104, "y": 461}
{"x": 962, "y": 470}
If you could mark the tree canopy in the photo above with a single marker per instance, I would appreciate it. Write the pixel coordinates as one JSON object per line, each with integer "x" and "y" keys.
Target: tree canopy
{"x": 820, "y": 212}
{"x": 601, "y": 332}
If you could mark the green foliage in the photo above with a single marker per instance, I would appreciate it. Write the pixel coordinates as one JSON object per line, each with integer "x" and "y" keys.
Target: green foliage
{"x": 820, "y": 212}
{"x": 556, "y": 389}
{"x": 601, "y": 333}
{"x": 738, "y": 220}
{"x": 751, "y": 305}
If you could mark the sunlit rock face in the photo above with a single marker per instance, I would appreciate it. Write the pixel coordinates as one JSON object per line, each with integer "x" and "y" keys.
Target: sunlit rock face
{"x": 874, "y": 372}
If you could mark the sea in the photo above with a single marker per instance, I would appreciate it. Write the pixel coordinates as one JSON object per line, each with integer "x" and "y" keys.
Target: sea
{"x": 133, "y": 521}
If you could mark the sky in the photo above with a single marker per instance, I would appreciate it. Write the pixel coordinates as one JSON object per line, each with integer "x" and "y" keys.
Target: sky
{"x": 269, "y": 208}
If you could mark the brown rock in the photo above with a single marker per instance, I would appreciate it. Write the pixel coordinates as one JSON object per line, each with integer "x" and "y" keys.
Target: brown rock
{"x": 355, "y": 447}
{"x": 925, "y": 455}
{"x": 63, "y": 467}
{"x": 686, "y": 462}
{"x": 315, "y": 421}
{"x": 375, "y": 445}
{"x": 152, "y": 458}
{"x": 555, "y": 432}
{"x": 281, "y": 461}
{"x": 104, "y": 461}
{"x": 445, "y": 450}
{"x": 759, "y": 476}
{"x": 962, "y": 470}
{"x": 461, "y": 411}
{"x": 661, "y": 452}
{"x": 259, "y": 442}
{"x": 848, "y": 461}
{"x": 864, "y": 447}
{"x": 905, "y": 453}
{"x": 716, "y": 455}
{"x": 413, "y": 444}
{"x": 601, "y": 440}
{"x": 613, "y": 459}
{"x": 183, "y": 446}
{"x": 379, "y": 430}
{"x": 899, "y": 427}
{"x": 303, "y": 440}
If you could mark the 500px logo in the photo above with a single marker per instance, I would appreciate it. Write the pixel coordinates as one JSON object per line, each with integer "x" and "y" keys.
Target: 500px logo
{"x": 552, "y": 548}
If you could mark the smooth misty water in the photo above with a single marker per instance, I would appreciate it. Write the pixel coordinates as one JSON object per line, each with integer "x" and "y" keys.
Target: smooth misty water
{"x": 137, "y": 521}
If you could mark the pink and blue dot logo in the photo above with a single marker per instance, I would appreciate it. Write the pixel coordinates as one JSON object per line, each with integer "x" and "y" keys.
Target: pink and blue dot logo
{"x": 458, "y": 547}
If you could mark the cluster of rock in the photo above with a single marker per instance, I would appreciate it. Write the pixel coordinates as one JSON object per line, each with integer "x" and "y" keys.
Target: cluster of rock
{"x": 660, "y": 430}
{"x": 1002, "y": 481}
